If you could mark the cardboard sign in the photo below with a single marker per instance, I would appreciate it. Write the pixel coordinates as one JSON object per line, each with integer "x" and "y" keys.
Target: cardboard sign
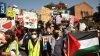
{"x": 6, "y": 24}
{"x": 30, "y": 20}
{"x": 45, "y": 15}
{"x": 2, "y": 8}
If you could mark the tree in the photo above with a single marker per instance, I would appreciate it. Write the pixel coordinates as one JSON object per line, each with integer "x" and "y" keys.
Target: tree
{"x": 56, "y": 5}
{"x": 50, "y": 5}
{"x": 98, "y": 8}
{"x": 96, "y": 15}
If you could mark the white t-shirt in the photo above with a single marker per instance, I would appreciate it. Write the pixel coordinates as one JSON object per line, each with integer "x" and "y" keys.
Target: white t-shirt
{"x": 13, "y": 47}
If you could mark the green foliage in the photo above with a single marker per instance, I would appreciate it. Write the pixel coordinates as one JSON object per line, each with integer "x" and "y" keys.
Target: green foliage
{"x": 96, "y": 15}
{"x": 50, "y": 5}
{"x": 56, "y": 5}
{"x": 90, "y": 23}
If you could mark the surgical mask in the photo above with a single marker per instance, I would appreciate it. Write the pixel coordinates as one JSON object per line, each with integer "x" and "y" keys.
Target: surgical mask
{"x": 39, "y": 26}
{"x": 48, "y": 30}
{"x": 34, "y": 36}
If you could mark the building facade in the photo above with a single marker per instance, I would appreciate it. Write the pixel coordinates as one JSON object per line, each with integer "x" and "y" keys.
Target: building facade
{"x": 81, "y": 10}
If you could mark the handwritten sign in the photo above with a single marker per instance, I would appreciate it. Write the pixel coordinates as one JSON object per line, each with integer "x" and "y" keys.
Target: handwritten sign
{"x": 45, "y": 15}
{"x": 30, "y": 20}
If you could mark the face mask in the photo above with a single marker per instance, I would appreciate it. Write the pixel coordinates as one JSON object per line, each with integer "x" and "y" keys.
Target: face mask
{"x": 48, "y": 30}
{"x": 56, "y": 35}
{"x": 34, "y": 36}
{"x": 39, "y": 26}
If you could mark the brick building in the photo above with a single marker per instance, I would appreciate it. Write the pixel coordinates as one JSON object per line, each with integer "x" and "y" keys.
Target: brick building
{"x": 81, "y": 10}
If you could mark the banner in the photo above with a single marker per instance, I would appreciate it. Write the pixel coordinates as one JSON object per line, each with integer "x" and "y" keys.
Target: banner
{"x": 10, "y": 13}
{"x": 30, "y": 20}
{"x": 45, "y": 16}
{"x": 6, "y": 24}
{"x": 2, "y": 8}
{"x": 45, "y": 41}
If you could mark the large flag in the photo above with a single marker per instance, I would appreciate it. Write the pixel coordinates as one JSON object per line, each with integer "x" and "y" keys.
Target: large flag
{"x": 83, "y": 43}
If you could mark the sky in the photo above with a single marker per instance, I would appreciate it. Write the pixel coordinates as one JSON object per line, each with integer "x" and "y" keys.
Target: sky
{"x": 37, "y": 4}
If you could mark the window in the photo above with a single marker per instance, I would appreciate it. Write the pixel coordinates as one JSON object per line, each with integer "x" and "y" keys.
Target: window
{"x": 87, "y": 14}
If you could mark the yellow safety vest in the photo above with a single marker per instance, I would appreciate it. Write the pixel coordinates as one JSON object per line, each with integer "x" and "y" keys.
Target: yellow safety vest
{"x": 17, "y": 49}
{"x": 34, "y": 50}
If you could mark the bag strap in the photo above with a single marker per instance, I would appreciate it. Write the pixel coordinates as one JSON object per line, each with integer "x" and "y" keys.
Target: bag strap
{"x": 24, "y": 36}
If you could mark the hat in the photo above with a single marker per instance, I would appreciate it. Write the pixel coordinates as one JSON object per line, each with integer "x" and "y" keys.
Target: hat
{"x": 15, "y": 6}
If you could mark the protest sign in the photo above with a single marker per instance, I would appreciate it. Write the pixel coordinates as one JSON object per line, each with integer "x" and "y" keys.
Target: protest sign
{"x": 6, "y": 24}
{"x": 2, "y": 8}
{"x": 45, "y": 15}
{"x": 58, "y": 19}
{"x": 30, "y": 20}
{"x": 19, "y": 18}
{"x": 45, "y": 41}
{"x": 10, "y": 13}
{"x": 65, "y": 17}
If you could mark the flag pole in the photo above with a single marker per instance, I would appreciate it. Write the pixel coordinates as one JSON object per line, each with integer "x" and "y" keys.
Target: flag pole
{"x": 68, "y": 45}
{"x": 98, "y": 54}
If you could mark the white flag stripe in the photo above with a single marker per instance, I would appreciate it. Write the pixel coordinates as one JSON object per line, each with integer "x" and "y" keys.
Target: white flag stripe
{"x": 88, "y": 43}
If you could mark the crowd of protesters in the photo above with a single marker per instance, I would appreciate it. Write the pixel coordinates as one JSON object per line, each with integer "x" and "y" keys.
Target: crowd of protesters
{"x": 30, "y": 41}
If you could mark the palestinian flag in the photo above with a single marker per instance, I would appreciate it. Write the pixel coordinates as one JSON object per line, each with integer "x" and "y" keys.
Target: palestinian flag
{"x": 82, "y": 43}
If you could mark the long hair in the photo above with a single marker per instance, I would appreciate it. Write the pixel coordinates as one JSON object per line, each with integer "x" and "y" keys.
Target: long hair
{"x": 12, "y": 35}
